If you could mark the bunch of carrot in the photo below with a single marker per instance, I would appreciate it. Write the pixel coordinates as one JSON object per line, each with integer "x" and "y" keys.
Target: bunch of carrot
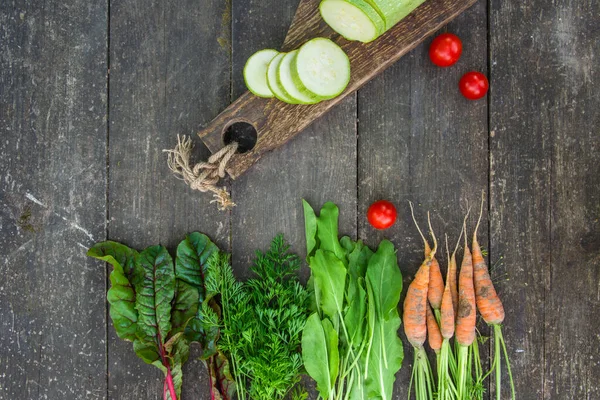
{"x": 439, "y": 311}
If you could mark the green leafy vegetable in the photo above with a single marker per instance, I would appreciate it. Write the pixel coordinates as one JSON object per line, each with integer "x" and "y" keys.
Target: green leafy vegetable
{"x": 121, "y": 295}
{"x": 262, "y": 322}
{"x": 152, "y": 303}
{"x": 356, "y": 293}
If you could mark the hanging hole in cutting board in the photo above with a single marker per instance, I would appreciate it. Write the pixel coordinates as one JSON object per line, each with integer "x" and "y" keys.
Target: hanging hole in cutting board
{"x": 243, "y": 133}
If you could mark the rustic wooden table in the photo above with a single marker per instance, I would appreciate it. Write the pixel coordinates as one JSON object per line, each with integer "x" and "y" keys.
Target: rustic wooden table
{"x": 91, "y": 92}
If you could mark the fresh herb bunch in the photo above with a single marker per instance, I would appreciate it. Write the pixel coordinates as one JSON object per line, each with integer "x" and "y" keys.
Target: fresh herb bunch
{"x": 262, "y": 322}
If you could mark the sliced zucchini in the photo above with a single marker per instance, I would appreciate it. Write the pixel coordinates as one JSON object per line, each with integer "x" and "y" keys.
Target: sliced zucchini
{"x": 353, "y": 19}
{"x": 272, "y": 80}
{"x": 286, "y": 80}
{"x": 321, "y": 68}
{"x": 255, "y": 72}
{"x": 392, "y": 11}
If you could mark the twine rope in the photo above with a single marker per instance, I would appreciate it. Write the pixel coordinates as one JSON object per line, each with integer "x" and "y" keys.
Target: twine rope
{"x": 203, "y": 176}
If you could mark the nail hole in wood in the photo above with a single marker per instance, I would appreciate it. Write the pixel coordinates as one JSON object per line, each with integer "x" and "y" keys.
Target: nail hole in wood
{"x": 243, "y": 133}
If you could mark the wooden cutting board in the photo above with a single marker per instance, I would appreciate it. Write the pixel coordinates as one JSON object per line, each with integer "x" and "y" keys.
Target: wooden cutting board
{"x": 276, "y": 122}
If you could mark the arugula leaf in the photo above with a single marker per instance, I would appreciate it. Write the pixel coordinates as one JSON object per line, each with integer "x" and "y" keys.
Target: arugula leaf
{"x": 320, "y": 353}
{"x": 330, "y": 281}
{"x": 327, "y": 231}
{"x": 386, "y": 342}
{"x": 310, "y": 228}
{"x": 385, "y": 278}
{"x": 121, "y": 295}
{"x": 356, "y": 313}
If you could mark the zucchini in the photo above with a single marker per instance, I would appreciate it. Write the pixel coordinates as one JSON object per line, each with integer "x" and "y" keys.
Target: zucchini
{"x": 353, "y": 19}
{"x": 321, "y": 68}
{"x": 287, "y": 82}
{"x": 274, "y": 83}
{"x": 255, "y": 72}
{"x": 392, "y": 11}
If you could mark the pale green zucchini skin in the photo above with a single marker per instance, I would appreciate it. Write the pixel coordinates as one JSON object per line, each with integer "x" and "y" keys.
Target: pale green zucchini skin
{"x": 393, "y": 11}
{"x": 353, "y": 19}
{"x": 366, "y": 16}
{"x": 321, "y": 69}
{"x": 255, "y": 72}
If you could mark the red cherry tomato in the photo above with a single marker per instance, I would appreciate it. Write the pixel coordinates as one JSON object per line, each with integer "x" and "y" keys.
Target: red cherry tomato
{"x": 445, "y": 50}
{"x": 473, "y": 85}
{"x": 382, "y": 214}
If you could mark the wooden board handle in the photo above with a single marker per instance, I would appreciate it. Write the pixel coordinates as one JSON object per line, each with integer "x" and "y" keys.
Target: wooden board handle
{"x": 277, "y": 122}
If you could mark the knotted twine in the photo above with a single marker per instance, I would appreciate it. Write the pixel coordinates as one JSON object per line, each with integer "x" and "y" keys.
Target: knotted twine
{"x": 203, "y": 176}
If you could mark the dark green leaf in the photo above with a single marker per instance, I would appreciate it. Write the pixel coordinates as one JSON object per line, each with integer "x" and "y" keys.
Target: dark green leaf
{"x": 192, "y": 257}
{"x": 155, "y": 293}
{"x": 221, "y": 380}
{"x": 185, "y": 306}
{"x": 147, "y": 351}
{"x": 121, "y": 295}
{"x": 177, "y": 350}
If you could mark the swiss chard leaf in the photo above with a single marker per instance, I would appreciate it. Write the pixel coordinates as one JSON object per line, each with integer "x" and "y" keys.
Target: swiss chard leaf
{"x": 185, "y": 306}
{"x": 155, "y": 293}
{"x": 192, "y": 258}
{"x": 178, "y": 351}
{"x": 121, "y": 295}
{"x": 330, "y": 281}
{"x": 221, "y": 381}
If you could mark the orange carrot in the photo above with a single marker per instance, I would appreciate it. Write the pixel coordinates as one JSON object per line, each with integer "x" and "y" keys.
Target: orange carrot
{"x": 436, "y": 283}
{"x": 465, "y": 316}
{"x": 415, "y": 303}
{"x": 488, "y": 302}
{"x": 433, "y": 331}
{"x": 447, "y": 310}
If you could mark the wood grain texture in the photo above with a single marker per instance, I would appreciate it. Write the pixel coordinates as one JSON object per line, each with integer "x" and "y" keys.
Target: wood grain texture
{"x": 276, "y": 122}
{"x": 52, "y": 199}
{"x": 169, "y": 74}
{"x": 546, "y": 192}
{"x": 421, "y": 141}
{"x": 269, "y": 196}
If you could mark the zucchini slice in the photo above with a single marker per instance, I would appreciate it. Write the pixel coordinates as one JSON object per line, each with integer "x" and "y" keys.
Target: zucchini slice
{"x": 274, "y": 83}
{"x": 353, "y": 19}
{"x": 321, "y": 68}
{"x": 286, "y": 80}
{"x": 255, "y": 72}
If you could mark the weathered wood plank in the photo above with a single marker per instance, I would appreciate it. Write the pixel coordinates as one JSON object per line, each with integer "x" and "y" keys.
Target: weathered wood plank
{"x": 545, "y": 192}
{"x": 319, "y": 166}
{"x": 421, "y": 141}
{"x": 52, "y": 199}
{"x": 169, "y": 75}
